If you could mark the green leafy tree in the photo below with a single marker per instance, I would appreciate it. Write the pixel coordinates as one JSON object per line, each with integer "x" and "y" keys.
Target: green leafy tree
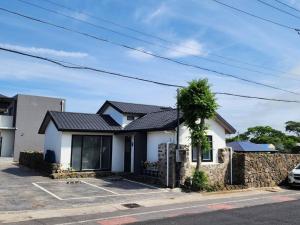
{"x": 197, "y": 104}
{"x": 293, "y": 127}
{"x": 269, "y": 135}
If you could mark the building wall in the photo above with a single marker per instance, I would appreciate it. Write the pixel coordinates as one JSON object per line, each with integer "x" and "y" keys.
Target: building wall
{"x": 154, "y": 139}
{"x": 158, "y": 137}
{"x": 65, "y": 148}
{"x": 6, "y": 121}
{"x": 117, "y": 116}
{"x": 31, "y": 111}
{"x": 217, "y": 132}
{"x": 7, "y": 148}
{"x": 53, "y": 139}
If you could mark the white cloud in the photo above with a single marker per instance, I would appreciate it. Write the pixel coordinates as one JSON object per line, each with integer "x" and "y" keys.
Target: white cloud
{"x": 139, "y": 55}
{"x": 188, "y": 47}
{"x": 158, "y": 12}
{"x": 80, "y": 16}
{"x": 45, "y": 51}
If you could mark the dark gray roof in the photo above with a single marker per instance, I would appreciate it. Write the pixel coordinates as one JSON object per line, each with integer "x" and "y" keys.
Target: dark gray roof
{"x": 247, "y": 146}
{"x": 132, "y": 108}
{"x": 3, "y": 96}
{"x": 163, "y": 120}
{"x": 68, "y": 121}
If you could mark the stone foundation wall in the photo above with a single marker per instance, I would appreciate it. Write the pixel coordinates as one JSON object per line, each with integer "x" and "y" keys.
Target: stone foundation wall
{"x": 262, "y": 170}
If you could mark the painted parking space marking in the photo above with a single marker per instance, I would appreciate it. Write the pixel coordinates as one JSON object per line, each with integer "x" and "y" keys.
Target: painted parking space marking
{"x": 106, "y": 192}
{"x": 146, "y": 185}
{"x": 49, "y": 192}
{"x": 174, "y": 209}
{"x": 118, "y": 221}
{"x": 102, "y": 188}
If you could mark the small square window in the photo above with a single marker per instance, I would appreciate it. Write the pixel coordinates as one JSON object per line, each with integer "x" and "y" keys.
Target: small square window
{"x": 130, "y": 117}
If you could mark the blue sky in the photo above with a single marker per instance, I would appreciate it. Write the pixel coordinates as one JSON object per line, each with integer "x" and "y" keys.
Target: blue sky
{"x": 197, "y": 28}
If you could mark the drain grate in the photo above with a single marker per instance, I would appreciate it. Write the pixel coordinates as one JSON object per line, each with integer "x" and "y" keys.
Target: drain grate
{"x": 131, "y": 205}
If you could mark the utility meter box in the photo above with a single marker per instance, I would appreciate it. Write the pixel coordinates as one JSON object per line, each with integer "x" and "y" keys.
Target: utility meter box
{"x": 181, "y": 155}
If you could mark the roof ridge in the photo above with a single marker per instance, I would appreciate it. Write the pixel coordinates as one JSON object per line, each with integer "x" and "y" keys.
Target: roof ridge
{"x": 111, "y": 101}
{"x": 75, "y": 113}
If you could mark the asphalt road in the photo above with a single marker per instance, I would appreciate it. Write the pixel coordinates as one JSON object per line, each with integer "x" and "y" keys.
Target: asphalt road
{"x": 284, "y": 213}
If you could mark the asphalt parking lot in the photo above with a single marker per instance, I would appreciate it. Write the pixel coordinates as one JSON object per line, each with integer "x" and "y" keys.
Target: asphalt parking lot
{"x": 24, "y": 189}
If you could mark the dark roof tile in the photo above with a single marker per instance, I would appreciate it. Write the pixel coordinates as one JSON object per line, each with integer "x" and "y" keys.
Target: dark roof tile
{"x": 68, "y": 121}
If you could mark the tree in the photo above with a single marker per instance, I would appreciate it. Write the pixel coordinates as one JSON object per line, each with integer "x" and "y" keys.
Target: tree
{"x": 293, "y": 127}
{"x": 197, "y": 103}
{"x": 269, "y": 135}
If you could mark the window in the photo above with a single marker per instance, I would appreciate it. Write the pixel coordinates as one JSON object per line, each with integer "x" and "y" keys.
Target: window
{"x": 206, "y": 156}
{"x": 130, "y": 117}
{"x": 91, "y": 152}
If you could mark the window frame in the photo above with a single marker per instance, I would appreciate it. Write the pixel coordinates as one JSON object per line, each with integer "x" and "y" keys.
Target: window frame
{"x": 82, "y": 140}
{"x": 211, "y": 151}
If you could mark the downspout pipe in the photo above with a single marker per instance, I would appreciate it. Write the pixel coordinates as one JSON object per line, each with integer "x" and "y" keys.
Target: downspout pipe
{"x": 230, "y": 148}
{"x": 167, "y": 153}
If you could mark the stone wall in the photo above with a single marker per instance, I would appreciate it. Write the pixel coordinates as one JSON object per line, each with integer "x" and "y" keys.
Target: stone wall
{"x": 262, "y": 170}
{"x": 218, "y": 173}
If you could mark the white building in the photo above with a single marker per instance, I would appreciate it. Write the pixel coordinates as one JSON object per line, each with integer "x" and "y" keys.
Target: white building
{"x": 121, "y": 136}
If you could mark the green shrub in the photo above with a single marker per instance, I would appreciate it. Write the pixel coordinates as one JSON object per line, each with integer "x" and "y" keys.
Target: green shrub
{"x": 187, "y": 184}
{"x": 199, "y": 181}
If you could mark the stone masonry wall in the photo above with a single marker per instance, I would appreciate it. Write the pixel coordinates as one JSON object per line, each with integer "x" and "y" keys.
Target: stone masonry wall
{"x": 262, "y": 170}
{"x": 219, "y": 174}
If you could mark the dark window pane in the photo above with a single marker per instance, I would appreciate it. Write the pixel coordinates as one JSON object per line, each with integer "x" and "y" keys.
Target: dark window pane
{"x": 76, "y": 152}
{"x": 91, "y": 152}
{"x": 130, "y": 117}
{"x": 207, "y": 155}
{"x": 194, "y": 154}
{"x": 106, "y": 152}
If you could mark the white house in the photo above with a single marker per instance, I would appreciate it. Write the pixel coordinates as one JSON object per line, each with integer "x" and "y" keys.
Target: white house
{"x": 121, "y": 136}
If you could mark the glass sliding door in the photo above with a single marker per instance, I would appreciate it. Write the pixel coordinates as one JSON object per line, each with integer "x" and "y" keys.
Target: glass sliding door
{"x": 105, "y": 152}
{"x": 76, "y": 153}
{"x": 91, "y": 152}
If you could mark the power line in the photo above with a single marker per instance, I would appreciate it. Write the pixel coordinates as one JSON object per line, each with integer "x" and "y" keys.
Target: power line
{"x": 168, "y": 41}
{"x": 151, "y": 43}
{"x": 256, "y": 16}
{"x": 78, "y": 67}
{"x": 278, "y": 9}
{"x": 287, "y": 5}
{"x": 149, "y": 53}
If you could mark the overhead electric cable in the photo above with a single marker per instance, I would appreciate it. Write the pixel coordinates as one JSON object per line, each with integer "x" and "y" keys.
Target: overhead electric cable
{"x": 152, "y": 43}
{"x": 278, "y": 9}
{"x": 79, "y": 67}
{"x": 287, "y": 5}
{"x": 171, "y": 42}
{"x": 148, "y": 53}
{"x": 257, "y": 17}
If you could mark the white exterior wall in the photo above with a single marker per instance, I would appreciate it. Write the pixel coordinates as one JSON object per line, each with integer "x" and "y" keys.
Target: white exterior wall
{"x": 154, "y": 139}
{"x": 215, "y": 130}
{"x": 61, "y": 143}
{"x": 53, "y": 141}
{"x": 117, "y": 116}
{"x": 157, "y": 137}
{"x": 8, "y": 137}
